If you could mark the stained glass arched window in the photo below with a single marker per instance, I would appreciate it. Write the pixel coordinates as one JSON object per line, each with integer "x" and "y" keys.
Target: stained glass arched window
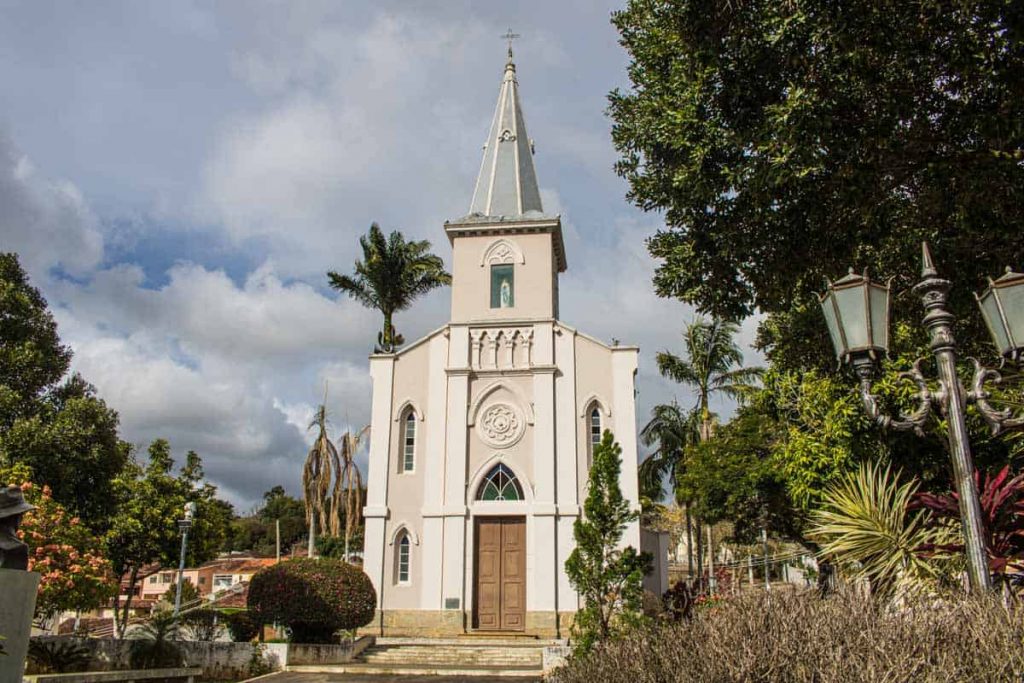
{"x": 500, "y": 484}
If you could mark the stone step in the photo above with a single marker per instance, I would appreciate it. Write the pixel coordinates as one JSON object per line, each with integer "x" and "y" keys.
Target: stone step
{"x": 490, "y": 661}
{"x": 524, "y": 661}
{"x": 467, "y": 651}
{"x": 422, "y": 670}
{"x": 473, "y": 640}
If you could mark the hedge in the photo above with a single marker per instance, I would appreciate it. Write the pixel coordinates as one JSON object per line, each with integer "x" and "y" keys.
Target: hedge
{"x": 314, "y": 598}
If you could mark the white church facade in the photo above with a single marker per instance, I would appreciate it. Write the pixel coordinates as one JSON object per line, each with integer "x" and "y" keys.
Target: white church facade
{"x": 481, "y": 432}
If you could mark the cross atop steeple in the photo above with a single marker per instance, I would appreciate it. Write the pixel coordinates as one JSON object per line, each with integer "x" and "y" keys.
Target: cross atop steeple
{"x": 507, "y": 184}
{"x": 509, "y": 36}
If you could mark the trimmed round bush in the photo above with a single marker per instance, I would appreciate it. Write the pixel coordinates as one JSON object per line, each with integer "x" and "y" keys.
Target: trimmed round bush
{"x": 314, "y": 598}
{"x": 242, "y": 626}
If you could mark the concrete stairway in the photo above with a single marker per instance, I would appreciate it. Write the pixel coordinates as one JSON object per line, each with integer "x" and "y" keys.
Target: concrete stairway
{"x": 480, "y": 657}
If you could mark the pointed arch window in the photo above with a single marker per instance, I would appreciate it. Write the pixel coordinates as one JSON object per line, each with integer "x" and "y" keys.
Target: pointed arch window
{"x": 500, "y": 484}
{"x": 409, "y": 442}
{"x": 403, "y": 556}
{"x": 595, "y": 427}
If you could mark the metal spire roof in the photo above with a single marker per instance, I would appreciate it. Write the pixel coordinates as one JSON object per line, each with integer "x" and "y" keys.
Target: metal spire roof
{"x": 507, "y": 185}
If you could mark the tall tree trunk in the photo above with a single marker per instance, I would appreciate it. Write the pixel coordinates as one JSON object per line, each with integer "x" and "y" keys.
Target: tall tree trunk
{"x": 388, "y": 336}
{"x": 700, "y": 551}
{"x": 121, "y": 617}
{"x": 348, "y": 503}
{"x": 689, "y": 542}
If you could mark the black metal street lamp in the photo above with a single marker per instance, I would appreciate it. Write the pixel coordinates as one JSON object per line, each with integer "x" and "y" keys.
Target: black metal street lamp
{"x": 184, "y": 525}
{"x": 857, "y": 314}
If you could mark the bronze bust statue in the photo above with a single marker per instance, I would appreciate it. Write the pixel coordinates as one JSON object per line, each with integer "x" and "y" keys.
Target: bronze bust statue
{"x": 13, "y": 553}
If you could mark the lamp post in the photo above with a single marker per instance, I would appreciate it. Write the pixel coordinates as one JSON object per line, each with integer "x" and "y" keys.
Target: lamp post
{"x": 183, "y": 525}
{"x": 857, "y": 314}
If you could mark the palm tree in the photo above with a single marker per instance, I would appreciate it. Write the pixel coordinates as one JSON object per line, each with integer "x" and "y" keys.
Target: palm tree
{"x": 671, "y": 431}
{"x": 316, "y": 476}
{"x": 712, "y": 366}
{"x": 348, "y": 487}
{"x": 392, "y": 274}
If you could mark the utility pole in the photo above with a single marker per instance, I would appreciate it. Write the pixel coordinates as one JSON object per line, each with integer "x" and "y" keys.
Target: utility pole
{"x": 277, "y": 531}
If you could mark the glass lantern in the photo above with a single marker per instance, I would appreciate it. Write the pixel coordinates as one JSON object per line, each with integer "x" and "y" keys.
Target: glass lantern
{"x": 1002, "y": 306}
{"x": 857, "y": 314}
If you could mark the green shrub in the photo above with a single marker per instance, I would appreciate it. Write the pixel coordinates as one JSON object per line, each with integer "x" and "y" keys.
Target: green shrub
{"x": 242, "y": 626}
{"x": 58, "y": 657}
{"x": 314, "y": 598}
{"x": 203, "y": 624}
{"x": 153, "y": 645}
{"x": 800, "y": 638}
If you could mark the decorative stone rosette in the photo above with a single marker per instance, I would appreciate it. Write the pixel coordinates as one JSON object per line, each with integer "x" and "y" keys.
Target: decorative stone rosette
{"x": 501, "y": 425}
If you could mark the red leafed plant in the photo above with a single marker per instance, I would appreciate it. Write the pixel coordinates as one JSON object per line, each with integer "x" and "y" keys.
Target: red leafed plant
{"x": 1002, "y": 517}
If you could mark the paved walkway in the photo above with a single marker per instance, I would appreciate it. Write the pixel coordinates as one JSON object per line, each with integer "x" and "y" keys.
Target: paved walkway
{"x": 297, "y": 677}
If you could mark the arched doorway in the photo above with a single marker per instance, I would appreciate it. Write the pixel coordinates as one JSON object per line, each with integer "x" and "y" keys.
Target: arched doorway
{"x": 500, "y": 568}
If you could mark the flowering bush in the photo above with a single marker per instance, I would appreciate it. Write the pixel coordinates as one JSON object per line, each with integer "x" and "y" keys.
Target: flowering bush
{"x": 75, "y": 576}
{"x": 314, "y": 598}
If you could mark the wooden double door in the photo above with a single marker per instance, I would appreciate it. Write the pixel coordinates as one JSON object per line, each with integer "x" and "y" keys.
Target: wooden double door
{"x": 500, "y": 600}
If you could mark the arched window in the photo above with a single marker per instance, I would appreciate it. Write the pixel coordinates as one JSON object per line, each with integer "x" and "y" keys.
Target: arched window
{"x": 409, "y": 442}
{"x": 402, "y": 557}
{"x": 500, "y": 484}
{"x": 595, "y": 427}
{"x": 503, "y": 288}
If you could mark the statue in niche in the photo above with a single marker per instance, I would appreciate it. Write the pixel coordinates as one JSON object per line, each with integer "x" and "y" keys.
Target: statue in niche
{"x": 13, "y": 553}
{"x": 506, "y": 294}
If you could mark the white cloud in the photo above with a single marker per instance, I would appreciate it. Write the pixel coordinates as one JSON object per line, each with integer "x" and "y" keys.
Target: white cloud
{"x": 47, "y": 222}
{"x": 284, "y": 129}
{"x": 230, "y": 371}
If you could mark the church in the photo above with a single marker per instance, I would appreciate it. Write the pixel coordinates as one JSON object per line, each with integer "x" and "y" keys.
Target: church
{"x": 482, "y": 431}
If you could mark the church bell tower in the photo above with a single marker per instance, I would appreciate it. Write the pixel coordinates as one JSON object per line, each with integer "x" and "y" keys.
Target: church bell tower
{"x": 506, "y": 252}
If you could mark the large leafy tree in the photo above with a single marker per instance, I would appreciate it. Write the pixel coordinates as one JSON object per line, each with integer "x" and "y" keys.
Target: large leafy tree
{"x": 734, "y": 477}
{"x": 151, "y": 499}
{"x": 32, "y": 359}
{"x": 53, "y": 423}
{"x": 75, "y": 575}
{"x": 392, "y": 274}
{"x": 784, "y": 141}
{"x": 257, "y": 531}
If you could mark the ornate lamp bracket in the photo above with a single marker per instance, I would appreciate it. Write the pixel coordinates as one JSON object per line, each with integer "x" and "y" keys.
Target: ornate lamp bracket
{"x": 998, "y": 420}
{"x": 865, "y": 369}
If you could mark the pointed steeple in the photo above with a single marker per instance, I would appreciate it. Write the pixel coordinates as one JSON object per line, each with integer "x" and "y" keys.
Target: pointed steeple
{"x": 507, "y": 184}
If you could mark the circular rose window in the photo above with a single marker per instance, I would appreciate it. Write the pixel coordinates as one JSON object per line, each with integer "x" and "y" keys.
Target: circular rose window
{"x": 501, "y": 425}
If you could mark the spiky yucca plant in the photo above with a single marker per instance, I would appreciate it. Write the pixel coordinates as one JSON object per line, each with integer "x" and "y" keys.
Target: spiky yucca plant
{"x": 865, "y": 526}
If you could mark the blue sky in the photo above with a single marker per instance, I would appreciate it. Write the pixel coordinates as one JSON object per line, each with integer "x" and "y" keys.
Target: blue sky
{"x": 178, "y": 177}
